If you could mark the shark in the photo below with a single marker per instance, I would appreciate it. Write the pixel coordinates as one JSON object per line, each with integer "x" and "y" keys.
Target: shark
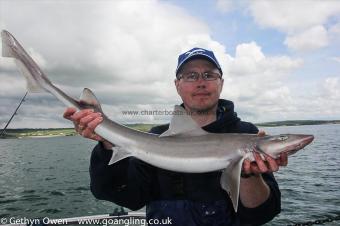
{"x": 184, "y": 147}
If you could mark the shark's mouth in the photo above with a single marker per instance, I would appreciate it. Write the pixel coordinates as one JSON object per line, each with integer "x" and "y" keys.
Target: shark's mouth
{"x": 301, "y": 144}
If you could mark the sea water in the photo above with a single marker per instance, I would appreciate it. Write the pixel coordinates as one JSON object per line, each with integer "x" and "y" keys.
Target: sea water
{"x": 48, "y": 177}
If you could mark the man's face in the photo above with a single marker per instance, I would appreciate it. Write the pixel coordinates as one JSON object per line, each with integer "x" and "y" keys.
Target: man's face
{"x": 199, "y": 95}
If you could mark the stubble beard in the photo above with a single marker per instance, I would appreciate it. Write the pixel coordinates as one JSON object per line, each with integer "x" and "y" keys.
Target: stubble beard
{"x": 206, "y": 110}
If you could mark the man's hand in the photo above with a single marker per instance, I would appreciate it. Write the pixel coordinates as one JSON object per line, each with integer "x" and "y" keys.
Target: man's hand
{"x": 263, "y": 166}
{"x": 85, "y": 121}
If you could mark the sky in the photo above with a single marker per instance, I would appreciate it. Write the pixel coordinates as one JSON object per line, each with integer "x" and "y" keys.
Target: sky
{"x": 280, "y": 59}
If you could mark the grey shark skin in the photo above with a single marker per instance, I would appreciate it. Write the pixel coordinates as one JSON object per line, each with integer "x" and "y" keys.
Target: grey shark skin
{"x": 184, "y": 147}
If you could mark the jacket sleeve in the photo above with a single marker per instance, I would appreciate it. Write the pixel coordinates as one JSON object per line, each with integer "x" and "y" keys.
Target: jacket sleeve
{"x": 267, "y": 210}
{"x": 125, "y": 183}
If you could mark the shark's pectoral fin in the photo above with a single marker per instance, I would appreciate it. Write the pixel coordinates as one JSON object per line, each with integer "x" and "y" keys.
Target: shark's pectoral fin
{"x": 230, "y": 181}
{"x": 182, "y": 125}
{"x": 88, "y": 99}
{"x": 118, "y": 154}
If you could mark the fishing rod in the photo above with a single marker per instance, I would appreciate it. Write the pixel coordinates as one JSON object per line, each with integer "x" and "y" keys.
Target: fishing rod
{"x": 9, "y": 121}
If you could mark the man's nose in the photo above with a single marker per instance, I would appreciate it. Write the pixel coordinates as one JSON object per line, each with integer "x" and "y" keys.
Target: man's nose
{"x": 200, "y": 82}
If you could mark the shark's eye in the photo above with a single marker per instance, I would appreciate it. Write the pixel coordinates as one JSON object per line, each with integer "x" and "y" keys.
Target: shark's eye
{"x": 282, "y": 138}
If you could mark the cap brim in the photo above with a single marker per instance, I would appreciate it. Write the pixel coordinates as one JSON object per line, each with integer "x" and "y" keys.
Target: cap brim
{"x": 199, "y": 56}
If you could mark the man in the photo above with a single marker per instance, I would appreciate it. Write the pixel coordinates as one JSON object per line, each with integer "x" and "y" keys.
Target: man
{"x": 188, "y": 199}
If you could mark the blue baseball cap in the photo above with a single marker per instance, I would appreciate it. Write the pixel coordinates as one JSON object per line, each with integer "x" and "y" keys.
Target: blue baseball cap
{"x": 199, "y": 53}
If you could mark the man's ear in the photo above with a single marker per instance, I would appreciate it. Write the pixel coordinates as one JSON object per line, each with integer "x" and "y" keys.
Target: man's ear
{"x": 222, "y": 82}
{"x": 176, "y": 81}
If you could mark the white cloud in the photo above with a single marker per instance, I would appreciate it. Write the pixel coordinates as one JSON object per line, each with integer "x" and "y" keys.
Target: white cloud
{"x": 292, "y": 16}
{"x": 334, "y": 32}
{"x": 319, "y": 100}
{"x": 6, "y": 63}
{"x": 250, "y": 50}
{"x": 336, "y": 59}
{"x": 313, "y": 38}
{"x": 11, "y": 85}
{"x": 332, "y": 88}
{"x": 250, "y": 60}
{"x": 325, "y": 101}
{"x": 224, "y": 6}
{"x": 126, "y": 52}
{"x": 256, "y": 83}
{"x": 297, "y": 19}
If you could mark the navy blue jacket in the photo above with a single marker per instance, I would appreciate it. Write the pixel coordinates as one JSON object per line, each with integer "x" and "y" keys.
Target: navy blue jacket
{"x": 189, "y": 199}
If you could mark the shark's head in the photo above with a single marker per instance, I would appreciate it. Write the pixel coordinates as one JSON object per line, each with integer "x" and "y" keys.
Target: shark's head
{"x": 284, "y": 143}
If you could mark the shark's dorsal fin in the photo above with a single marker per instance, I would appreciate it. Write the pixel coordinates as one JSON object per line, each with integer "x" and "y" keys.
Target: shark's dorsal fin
{"x": 182, "y": 125}
{"x": 89, "y": 99}
{"x": 118, "y": 154}
{"x": 230, "y": 181}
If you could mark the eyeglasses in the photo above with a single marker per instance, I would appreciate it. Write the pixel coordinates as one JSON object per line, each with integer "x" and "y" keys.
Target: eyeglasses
{"x": 194, "y": 76}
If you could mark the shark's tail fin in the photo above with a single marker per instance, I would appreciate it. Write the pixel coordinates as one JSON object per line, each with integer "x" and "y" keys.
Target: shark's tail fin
{"x": 31, "y": 84}
{"x": 7, "y": 51}
{"x": 36, "y": 81}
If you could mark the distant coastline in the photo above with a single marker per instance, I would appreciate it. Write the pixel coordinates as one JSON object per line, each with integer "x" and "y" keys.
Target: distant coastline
{"x": 297, "y": 123}
{"x": 54, "y": 132}
{"x": 30, "y": 132}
